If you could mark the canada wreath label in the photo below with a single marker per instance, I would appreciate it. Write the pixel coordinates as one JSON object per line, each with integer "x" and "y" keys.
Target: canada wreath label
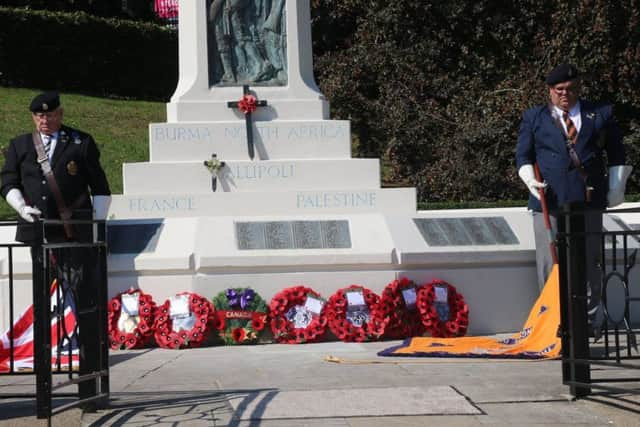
{"x": 183, "y": 321}
{"x": 443, "y": 310}
{"x": 241, "y": 314}
{"x": 130, "y": 319}
{"x": 399, "y": 305}
{"x": 297, "y": 315}
{"x": 354, "y": 314}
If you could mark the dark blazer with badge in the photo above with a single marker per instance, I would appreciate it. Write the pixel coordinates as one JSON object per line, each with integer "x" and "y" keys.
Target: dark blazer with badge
{"x": 77, "y": 170}
{"x": 541, "y": 139}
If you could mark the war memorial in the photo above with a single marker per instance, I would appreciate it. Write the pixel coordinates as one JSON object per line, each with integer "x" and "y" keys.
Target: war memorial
{"x": 269, "y": 197}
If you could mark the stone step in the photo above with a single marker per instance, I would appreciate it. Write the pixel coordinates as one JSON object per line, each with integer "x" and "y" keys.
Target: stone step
{"x": 270, "y": 175}
{"x": 352, "y": 200}
{"x": 273, "y": 140}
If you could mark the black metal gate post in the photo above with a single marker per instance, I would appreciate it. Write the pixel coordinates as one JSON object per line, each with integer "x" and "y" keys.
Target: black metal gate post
{"x": 94, "y": 351}
{"x": 573, "y": 290}
{"x": 563, "y": 330}
{"x": 103, "y": 318}
{"x": 41, "y": 329}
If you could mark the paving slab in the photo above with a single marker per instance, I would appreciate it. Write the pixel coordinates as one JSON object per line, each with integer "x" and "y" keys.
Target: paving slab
{"x": 351, "y": 402}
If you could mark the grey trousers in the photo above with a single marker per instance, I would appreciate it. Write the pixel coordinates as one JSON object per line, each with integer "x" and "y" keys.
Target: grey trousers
{"x": 593, "y": 253}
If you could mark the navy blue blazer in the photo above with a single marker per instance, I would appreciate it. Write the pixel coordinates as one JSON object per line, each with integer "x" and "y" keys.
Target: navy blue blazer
{"x": 541, "y": 140}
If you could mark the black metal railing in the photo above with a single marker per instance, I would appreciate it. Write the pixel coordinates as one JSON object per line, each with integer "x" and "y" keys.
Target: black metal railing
{"x": 608, "y": 341}
{"x": 69, "y": 294}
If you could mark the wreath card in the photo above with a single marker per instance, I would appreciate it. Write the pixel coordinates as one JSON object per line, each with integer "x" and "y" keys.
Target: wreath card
{"x": 357, "y": 309}
{"x": 180, "y": 313}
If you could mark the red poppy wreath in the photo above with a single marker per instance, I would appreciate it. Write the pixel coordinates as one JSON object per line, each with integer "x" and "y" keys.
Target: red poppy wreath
{"x": 130, "y": 319}
{"x": 183, "y": 321}
{"x": 399, "y": 304}
{"x": 297, "y": 315}
{"x": 443, "y": 310}
{"x": 354, "y": 314}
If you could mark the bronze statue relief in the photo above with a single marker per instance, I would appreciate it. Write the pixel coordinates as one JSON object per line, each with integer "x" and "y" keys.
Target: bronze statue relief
{"x": 247, "y": 43}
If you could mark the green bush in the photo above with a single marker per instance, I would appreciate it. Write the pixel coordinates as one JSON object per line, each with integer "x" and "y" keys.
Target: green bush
{"x": 437, "y": 89}
{"x": 83, "y": 53}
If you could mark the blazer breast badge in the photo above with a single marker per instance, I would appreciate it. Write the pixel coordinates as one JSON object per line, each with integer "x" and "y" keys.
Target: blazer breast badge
{"x": 72, "y": 168}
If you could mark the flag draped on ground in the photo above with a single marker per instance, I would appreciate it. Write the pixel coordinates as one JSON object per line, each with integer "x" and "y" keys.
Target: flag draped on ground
{"x": 536, "y": 340}
{"x": 23, "y": 346}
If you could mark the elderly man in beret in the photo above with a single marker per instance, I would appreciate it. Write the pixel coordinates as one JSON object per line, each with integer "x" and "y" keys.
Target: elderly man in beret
{"x": 53, "y": 173}
{"x": 568, "y": 138}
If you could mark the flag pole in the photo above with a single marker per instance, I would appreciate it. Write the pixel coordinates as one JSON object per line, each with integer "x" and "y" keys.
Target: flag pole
{"x": 545, "y": 213}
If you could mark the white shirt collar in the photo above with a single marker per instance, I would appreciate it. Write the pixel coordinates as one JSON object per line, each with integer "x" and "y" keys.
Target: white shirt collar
{"x": 573, "y": 112}
{"x": 54, "y": 136}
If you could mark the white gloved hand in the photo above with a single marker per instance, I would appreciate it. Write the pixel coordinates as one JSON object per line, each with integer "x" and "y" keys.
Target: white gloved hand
{"x": 618, "y": 176}
{"x": 527, "y": 176}
{"x": 16, "y": 201}
{"x": 101, "y": 207}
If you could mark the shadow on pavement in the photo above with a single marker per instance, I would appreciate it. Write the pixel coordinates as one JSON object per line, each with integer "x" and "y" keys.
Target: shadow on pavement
{"x": 115, "y": 358}
{"x": 192, "y": 407}
{"x": 630, "y": 403}
{"x": 19, "y": 408}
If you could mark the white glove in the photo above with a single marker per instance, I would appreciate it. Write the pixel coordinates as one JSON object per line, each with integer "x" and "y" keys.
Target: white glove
{"x": 101, "y": 207}
{"x": 618, "y": 176}
{"x": 16, "y": 201}
{"x": 527, "y": 176}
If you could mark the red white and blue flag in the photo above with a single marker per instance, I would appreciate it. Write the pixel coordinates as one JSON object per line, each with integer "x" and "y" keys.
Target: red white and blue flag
{"x": 166, "y": 9}
{"x": 61, "y": 346}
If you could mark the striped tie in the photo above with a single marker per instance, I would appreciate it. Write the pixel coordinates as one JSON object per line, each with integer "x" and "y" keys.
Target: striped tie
{"x": 46, "y": 141}
{"x": 572, "y": 132}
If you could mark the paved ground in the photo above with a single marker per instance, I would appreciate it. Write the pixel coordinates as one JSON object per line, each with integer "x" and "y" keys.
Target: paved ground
{"x": 282, "y": 385}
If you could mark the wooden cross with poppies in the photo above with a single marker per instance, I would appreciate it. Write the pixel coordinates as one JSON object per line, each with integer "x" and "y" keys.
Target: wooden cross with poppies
{"x": 247, "y": 105}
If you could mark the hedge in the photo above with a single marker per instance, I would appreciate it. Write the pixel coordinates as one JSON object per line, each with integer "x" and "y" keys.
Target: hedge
{"x": 437, "y": 88}
{"x": 83, "y": 53}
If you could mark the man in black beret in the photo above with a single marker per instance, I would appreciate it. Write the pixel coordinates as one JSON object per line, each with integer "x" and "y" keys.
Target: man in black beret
{"x": 55, "y": 173}
{"x": 568, "y": 138}
{"x": 73, "y": 160}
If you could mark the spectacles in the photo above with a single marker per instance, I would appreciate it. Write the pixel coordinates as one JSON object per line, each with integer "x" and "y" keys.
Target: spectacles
{"x": 48, "y": 116}
{"x": 565, "y": 89}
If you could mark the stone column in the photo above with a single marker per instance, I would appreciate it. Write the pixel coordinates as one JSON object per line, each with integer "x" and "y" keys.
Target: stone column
{"x": 195, "y": 101}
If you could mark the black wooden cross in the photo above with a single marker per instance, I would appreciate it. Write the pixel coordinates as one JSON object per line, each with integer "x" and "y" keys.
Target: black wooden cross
{"x": 247, "y": 117}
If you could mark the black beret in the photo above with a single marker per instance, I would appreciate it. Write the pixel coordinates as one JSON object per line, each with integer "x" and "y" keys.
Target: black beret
{"x": 47, "y": 101}
{"x": 562, "y": 73}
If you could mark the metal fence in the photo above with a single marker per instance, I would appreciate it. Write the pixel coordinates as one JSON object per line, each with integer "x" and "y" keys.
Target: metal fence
{"x": 603, "y": 356}
{"x": 65, "y": 328}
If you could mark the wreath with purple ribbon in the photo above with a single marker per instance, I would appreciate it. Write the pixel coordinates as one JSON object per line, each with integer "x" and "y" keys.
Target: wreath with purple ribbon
{"x": 241, "y": 315}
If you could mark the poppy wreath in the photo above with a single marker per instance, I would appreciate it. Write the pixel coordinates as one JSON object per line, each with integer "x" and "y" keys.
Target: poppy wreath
{"x": 241, "y": 314}
{"x": 369, "y": 328}
{"x": 288, "y": 308}
{"x": 457, "y": 321}
{"x": 167, "y": 335}
{"x": 403, "y": 316}
{"x": 129, "y": 330}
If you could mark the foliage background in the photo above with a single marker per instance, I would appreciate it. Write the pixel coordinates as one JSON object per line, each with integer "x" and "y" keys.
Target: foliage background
{"x": 435, "y": 89}
{"x": 80, "y": 52}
